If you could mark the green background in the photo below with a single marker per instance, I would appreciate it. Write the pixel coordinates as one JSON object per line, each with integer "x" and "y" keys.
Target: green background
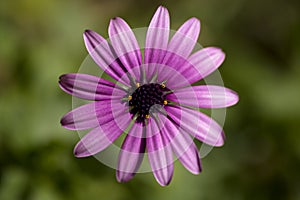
{"x": 40, "y": 40}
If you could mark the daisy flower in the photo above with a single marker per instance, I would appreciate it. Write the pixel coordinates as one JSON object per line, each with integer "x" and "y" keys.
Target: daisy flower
{"x": 151, "y": 100}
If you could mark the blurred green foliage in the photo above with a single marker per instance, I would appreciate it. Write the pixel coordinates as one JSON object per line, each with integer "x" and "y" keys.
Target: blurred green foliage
{"x": 40, "y": 40}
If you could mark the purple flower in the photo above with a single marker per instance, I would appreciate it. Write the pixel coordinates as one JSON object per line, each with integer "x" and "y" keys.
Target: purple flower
{"x": 151, "y": 101}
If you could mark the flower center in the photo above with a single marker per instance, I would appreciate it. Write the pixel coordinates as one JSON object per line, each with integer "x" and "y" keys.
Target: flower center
{"x": 144, "y": 97}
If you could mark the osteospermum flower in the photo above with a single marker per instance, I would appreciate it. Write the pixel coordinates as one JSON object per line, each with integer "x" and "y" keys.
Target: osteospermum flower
{"x": 151, "y": 101}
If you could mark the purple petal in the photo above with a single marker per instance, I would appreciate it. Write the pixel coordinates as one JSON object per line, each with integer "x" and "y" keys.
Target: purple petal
{"x": 205, "y": 96}
{"x": 184, "y": 40}
{"x": 101, "y": 137}
{"x": 84, "y": 117}
{"x": 159, "y": 154}
{"x": 89, "y": 87}
{"x": 198, "y": 125}
{"x": 131, "y": 154}
{"x": 196, "y": 67}
{"x": 125, "y": 45}
{"x": 179, "y": 48}
{"x": 111, "y": 123}
{"x": 203, "y": 63}
{"x": 157, "y": 36}
{"x": 182, "y": 145}
{"x": 94, "y": 114}
{"x": 100, "y": 51}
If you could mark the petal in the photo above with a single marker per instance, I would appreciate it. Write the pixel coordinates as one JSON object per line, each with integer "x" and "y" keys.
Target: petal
{"x": 89, "y": 87}
{"x": 184, "y": 40}
{"x": 205, "y": 96}
{"x": 84, "y": 117}
{"x": 101, "y": 137}
{"x": 157, "y": 40}
{"x": 100, "y": 51}
{"x": 157, "y": 36}
{"x": 203, "y": 63}
{"x": 131, "y": 154}
{"x": 198, "y": 125}
{"x": 159, "y": 154}
{"x": 94, "y": 114}
{"x": 125, "y": 45}
{"x": 182, "y": 144}
{"x": 180, "y": 47}
{"x": 196, "y": 67}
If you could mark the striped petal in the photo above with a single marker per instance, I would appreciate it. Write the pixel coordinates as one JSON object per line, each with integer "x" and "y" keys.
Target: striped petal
{"x": 205, "y": 96}
{"x": 85, "y": 117}
{"x": 100, "y": 51}
{"x": 205, "y": 62}
{"x": 179, "y": 48}
{"x": 89, "y": 87}
{"x": 185, "y": 38}
{"x": 101, "y": 137}
{"x": 182, "y": 144}
{"x": 157, "y": 40}
{"x": 159, "y": 154}
{"x": 196, "y": 67}
{"x": 157, "y": 36}
{"x": 125, "y": 45}
{"x": 197, "y": 125}
{"x": 94, "y": 114}
{"x": 131, "y": 154}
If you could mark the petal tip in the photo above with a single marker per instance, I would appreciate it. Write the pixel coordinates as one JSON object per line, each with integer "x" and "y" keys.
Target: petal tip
{"x": 115, "y": 19}
{"x": 162, "y": 7}
{"x": 220, "y": 141}
{"x": 232, "y": 98}
{"x": 76, "y": 152}
{"x": 123, "y": 176}
{"x": 195, "y": 21}
{"x": 88, "y": 33}
{"x": 64, "y": 122}
{"x": 61, "y": 76}
{"x": 163, "y": 181}
{"x": 80, "y": 151}
{"x": 196, "y": 169}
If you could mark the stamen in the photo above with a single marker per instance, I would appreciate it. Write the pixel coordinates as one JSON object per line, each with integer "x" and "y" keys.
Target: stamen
{"x": 129, "y": 97}
{"x": 147, "y": 116}
{"x": 162, "y": 85}
{"x": 165, "y": 102}
{"x": 137, "y": 85}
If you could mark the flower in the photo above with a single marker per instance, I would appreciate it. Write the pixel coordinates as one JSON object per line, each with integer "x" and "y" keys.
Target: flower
{"x": 151, "y": 101}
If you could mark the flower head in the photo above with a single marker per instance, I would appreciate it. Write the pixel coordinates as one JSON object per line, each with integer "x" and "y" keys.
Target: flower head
{"x": 151, "y": 101}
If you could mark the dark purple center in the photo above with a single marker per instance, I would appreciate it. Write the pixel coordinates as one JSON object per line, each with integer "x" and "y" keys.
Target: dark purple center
{"x": 144, "y": 97}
